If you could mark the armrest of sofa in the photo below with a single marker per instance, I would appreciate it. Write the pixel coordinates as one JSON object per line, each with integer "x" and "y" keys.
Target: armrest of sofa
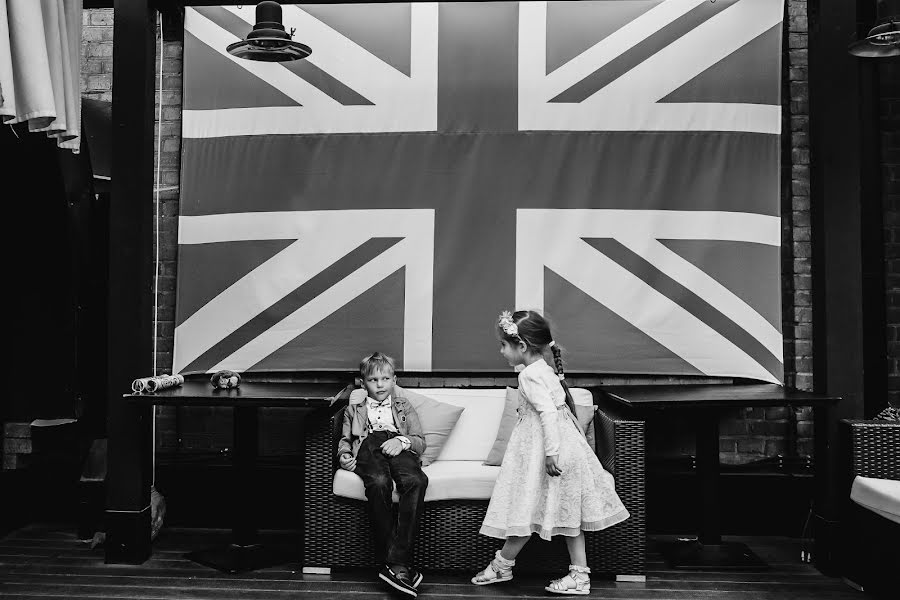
{"x": 874, "y": 448}
{"x": 620, "y": 445}
{"x": 320, "y": 462}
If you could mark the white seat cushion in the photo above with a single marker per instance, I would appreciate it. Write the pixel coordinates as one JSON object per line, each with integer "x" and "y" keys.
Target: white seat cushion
{"x": 881, "y": 496}
{"x": 447, "y": 480}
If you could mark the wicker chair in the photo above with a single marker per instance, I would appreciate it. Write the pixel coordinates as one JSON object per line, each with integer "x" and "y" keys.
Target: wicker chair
{"x": 337, "y": 531}
{"x": 870, "y": 540}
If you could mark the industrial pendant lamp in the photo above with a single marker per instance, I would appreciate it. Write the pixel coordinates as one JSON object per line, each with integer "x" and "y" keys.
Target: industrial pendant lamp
{"x": 883, "y": 40}
{"x": 268, "y": 41}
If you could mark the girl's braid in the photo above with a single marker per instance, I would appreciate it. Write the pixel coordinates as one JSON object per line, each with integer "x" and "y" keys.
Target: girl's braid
{"x": 558, "y": 362}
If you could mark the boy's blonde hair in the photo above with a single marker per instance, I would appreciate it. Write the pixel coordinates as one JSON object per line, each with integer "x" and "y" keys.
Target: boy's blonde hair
{"x": 376, "y": 361}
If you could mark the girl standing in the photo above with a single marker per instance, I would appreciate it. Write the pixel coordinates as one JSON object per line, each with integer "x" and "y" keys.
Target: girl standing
{"x": 550, "y": 481}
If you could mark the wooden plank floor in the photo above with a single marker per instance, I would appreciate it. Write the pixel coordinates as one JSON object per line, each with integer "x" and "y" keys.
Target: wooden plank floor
{"x": 45, "y": 561}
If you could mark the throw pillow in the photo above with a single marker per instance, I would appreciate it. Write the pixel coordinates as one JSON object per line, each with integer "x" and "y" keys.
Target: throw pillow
{"x": 891, "y": 413}
{"x": 507, "y": 423}
{"x": 585, "y": 416}
{"x": 438, "y": 420}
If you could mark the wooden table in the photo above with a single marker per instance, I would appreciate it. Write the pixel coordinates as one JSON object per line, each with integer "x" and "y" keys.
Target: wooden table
{"x": 705, "y": 405}
{"x": 316, "y": 400}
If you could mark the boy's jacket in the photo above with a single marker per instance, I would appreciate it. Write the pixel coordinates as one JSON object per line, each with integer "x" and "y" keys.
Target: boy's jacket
{"x": 356, "y": 424}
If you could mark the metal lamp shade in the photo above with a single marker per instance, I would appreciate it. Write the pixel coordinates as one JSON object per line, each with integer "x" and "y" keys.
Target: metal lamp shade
{"x": 883, "y": 41}
{"x": 268, "y": 41}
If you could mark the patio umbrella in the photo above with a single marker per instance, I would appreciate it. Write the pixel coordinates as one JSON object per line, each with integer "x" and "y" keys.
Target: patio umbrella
{"x": 40, "y": 42}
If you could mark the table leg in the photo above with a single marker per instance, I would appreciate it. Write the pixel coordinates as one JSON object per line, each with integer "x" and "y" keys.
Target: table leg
{"x": 246, "y": 447}
{"x": 825, "y": 501}
{"x": 707, "y": 449}
{"x": 708, "y": 551}
{"x": 244, "y": 553}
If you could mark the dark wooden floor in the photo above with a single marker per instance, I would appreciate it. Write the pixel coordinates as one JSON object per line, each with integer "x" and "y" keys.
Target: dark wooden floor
{"x": 48, "y": 561}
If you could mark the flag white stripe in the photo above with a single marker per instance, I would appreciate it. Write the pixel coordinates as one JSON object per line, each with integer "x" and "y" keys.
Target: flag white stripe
{"x": 630, "y": 297}
{"x": 710, "y": 290}
{"x": 533, "y": 18}
{"x": 632, "y": 101}
{"x": 255, "y": 292}
{"x": 322, "y": 239}
{"x": 653, "y": 313}
{"x": 711, "y": 41}
{"x": 316, "y": 310}
{"x": 296, "y": 120}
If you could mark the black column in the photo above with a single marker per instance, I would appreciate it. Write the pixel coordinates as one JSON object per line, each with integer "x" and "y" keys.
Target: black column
{"x": 130, "y": 279}
{"x": 843, "y": 231}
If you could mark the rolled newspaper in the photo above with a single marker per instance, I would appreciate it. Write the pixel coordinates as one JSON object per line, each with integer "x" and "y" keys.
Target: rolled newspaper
{"x": 140, "y": 385}
{"x": 163, "y": 382}
{"x": 155, "y": 384}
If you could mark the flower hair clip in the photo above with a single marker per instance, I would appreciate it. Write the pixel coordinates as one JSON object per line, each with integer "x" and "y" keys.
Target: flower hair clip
{"x": 507, "y": 324}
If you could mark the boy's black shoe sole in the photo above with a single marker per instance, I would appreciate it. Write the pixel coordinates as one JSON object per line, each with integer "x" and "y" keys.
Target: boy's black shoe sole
{"x": 401, "y": 584}
{"x": 416, "y": 577}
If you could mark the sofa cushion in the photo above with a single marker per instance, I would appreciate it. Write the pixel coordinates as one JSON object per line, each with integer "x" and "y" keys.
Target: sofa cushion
{"x": 447, "y": 480}
{"x": 476, "y": 430}
{"x": 438, "y": 420}
{"x": 891, "y": 413}
{"x": 507, "y": 423}
{"x": 584, "y": 412}
{"x": 881, "y": 496}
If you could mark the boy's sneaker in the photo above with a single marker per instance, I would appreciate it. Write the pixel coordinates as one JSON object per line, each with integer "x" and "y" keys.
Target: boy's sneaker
{"x": 415, "y": 576}
{"x": 400, "y": 580}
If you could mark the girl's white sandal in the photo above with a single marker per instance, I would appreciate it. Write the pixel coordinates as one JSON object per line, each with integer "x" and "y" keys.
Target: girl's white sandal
{"x": 498, "y": 571}
{"x": 576, "y": 583}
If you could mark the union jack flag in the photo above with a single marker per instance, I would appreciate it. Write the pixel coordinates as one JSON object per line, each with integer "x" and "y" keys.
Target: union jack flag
{"x": 612, "y": 163}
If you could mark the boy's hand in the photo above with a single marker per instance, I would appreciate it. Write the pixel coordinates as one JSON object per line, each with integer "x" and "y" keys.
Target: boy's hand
{"x": 348, "y": 462}
{"x": 392, "y": 447}
{"x": 553, "y": 469}
{"x": 358, "y": 395}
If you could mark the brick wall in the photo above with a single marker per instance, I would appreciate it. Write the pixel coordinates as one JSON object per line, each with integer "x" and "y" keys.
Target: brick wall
{"x": 889, "y": 85}
{"x": 746, "y": 435}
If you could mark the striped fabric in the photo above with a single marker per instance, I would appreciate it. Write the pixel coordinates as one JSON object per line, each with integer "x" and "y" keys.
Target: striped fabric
{"x": 612, "y": 163}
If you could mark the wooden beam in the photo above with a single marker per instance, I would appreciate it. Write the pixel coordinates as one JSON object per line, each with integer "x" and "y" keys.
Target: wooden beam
{"x": 130, "y": 332}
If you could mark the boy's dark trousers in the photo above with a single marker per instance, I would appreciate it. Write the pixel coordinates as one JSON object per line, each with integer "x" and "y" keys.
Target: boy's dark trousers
{"x": 393, "y": 545}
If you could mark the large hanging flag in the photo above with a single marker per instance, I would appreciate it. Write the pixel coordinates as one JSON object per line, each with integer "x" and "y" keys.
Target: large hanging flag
{"x": 612, "y": 163}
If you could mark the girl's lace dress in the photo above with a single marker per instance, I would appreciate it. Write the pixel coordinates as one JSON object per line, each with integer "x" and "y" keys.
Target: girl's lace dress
{"x": 526, "y": 499}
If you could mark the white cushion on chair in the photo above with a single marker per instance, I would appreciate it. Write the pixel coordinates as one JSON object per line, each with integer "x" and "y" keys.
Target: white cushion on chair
{"x": 881, "y": 496}
{"x": 474, "y": 434}
{"x": 447, "y": 480}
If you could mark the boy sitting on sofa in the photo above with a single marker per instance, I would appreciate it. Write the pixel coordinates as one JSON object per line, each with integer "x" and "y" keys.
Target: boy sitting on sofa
{"x": 382, "y": 441}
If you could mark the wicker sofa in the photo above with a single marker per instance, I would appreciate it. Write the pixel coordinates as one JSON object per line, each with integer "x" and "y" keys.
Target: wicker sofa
{"x": 337, "y": 531}
{"x": 870, "y": 528}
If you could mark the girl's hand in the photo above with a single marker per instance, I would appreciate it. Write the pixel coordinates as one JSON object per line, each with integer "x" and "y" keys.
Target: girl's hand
{"x": 348, "y": 462}
{"x": 392, "y": 447}
{"x": 550, "y": 463}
